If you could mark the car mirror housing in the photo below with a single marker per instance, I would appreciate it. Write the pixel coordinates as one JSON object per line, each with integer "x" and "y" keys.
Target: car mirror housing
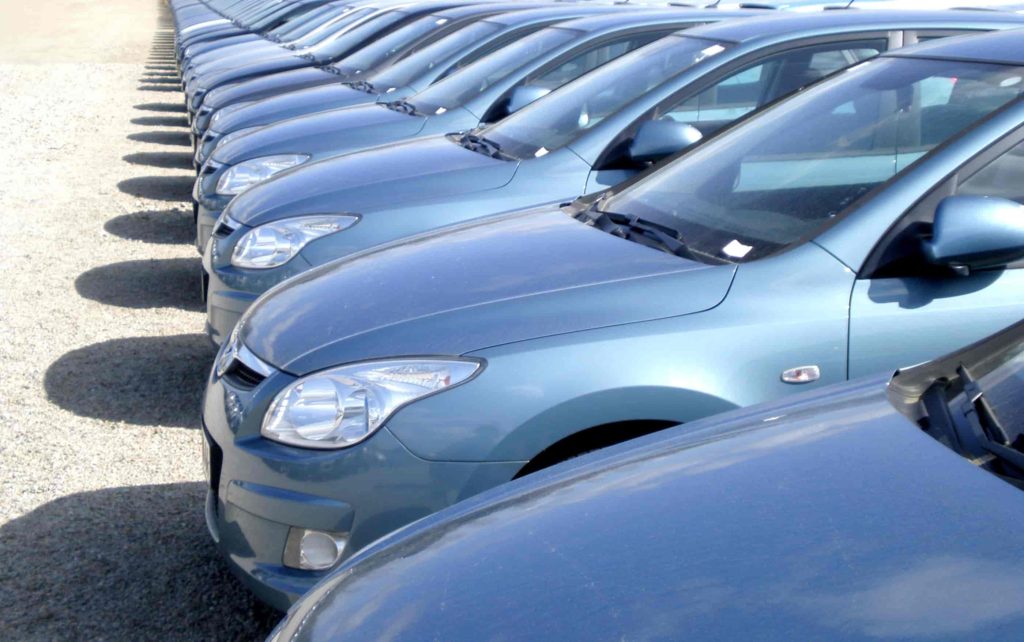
{"x": 976, "y": 233}
{"x": 658, "y": 139}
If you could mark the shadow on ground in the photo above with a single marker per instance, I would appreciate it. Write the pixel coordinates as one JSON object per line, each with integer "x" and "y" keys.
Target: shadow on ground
{"x": 159, "y": 188}
{"x": 148, "y": 283}
{"x": 165, "y": 227}
{"x": 173, "y": 160}
{"x": 166, "y": 107}
{"x": 128, "y": 563}
{"x": 148, "y": 381}
{"x": 160, "y": 80}
{"x": 161, "y": 121}
{"x": 162, "y": 138}
{"x": 159, "y": 87}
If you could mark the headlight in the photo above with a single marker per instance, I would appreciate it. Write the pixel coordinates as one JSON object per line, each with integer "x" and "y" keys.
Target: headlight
{"x": 343, "y": 406}
{"x": 274, "y": 244}
{"x": 248, "y": 173}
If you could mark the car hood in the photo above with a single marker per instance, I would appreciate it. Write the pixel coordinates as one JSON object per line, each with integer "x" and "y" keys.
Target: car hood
{"x": 327, "y": 133}
{"x": 830, "y": 517}
{"x": 270, "y": 85}
{"x": 294, "y": 104}
{"x": 252, "y": 69}
{"x": 373, "y": 179}
{"x": 510, "y": 278}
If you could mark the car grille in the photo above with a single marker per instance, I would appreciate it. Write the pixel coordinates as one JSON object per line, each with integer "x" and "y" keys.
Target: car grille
{"x": 215, "y": 464}
{"x": 243, "y": 376}
{"x": 223, "y": 229}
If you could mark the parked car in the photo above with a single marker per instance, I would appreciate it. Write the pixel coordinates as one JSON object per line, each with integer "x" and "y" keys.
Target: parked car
{"x": 484, "y": 91}
{"x": 203, "y": 24}
{"x": 351, "y": 32}
{"x": 290, "y": 31}
{"x": 873, "y": 510}
{"x": 859, "y": 225}
{"x": 379, "y": 54}
{"x": 586, "y": 136}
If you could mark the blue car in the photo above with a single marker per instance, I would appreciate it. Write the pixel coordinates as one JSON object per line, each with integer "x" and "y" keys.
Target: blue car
{"x": 870, "y": 221}
{"x": 381, "y": 53}
{"x": 199, "y": 21}
{"x": 587, "y": 136}
{"x": 879, "y": 509}
{"x": 207, "y": 35}
{"x": 485, "y": 91}
{"x": 352, "y": 31}
{"x": 290, "y": 30}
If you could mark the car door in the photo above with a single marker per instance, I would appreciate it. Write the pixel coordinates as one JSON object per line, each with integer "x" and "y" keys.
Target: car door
{"x": 934, "y": 311}
{"x": 743, "y": 88}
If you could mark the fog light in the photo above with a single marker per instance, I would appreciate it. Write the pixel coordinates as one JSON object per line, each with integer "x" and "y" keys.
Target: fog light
{"x": 312, "y": 550}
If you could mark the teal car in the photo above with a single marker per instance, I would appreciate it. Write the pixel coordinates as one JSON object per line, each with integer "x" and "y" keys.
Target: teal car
{"x": 871, "y": 221}
{"x": 586, "y": 136}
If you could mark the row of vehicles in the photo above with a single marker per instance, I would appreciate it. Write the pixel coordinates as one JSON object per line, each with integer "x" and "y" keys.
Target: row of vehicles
{"x": 513, "y": 299}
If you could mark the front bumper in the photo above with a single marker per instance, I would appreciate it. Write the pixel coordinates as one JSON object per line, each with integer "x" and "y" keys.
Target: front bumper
{"x": 224, "y": 305}
{"x": 259, "y": 490}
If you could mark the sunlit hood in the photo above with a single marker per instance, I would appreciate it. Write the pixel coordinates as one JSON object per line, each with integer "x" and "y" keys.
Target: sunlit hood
{"x": 293, "y": 104}
{"x": 379, "y": 178}
{"x": 512, "y": 278}
{"x": 326, "y": 133}
{"x": 268, "y": 85}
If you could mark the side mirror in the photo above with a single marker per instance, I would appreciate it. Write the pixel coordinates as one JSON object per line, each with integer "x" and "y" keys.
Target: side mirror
{"x": 522, "y": 96}
{"x": 976, "y": 232}
{"x": 656, "y": 139}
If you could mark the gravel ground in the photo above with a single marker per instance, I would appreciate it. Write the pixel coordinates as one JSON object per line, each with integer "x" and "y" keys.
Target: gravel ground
{"x": 102, "y": 356}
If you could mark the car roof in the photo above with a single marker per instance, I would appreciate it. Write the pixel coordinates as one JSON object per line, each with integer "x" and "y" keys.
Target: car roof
{"x": 996, "y": 47}
{"x": 642, "y": 16}
{"x": 785, "y": 26}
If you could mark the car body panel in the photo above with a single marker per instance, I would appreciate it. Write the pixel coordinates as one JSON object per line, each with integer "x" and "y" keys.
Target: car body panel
{"x": 826, "y": 517}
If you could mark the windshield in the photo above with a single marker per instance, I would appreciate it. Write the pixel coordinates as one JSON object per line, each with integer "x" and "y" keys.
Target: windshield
{"x": 476, "y": 78}
{"x": 346, "y": 42}
{"x": 559, "y": 118}
{"x": 412, "y": 67}
{"x": 779, "y": 177}
{"x": 329, "y": 28}
{"x": 302, "y": 23}
{"x": 382, "y": 50}
{"x": 307, "y": 22}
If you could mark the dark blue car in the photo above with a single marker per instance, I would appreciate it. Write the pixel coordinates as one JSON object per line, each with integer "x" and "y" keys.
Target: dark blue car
{"x": 886, "y": 508}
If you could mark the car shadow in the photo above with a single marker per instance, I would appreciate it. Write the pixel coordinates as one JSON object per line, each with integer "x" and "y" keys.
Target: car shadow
{"x": 159, "y": 188}
{"x": 162, "y": 138}
{"x": 123, "y": 563}
{"x": 148, "y": 283}
{"x": 164, "y": 67}
{"x": 172, "y": 160}
{"x": 159, "y": 87}
{"x": 163, "y": 107}
{"x": 161, "y": 81}
{"x": 161, "y": 121}
{"x": 145, "y": 381}
{"x": 165, "y": 227}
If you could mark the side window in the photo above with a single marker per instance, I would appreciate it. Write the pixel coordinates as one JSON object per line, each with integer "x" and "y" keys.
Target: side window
{"x": 591, "y": 59}
{"x": 767, "y": 80}
{"x": 1003, "y": 177}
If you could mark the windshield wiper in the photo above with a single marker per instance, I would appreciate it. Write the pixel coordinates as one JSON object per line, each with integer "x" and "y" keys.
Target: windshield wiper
{"x": 994, "y": 436}
{"x": 482, "y": 145}
{"x": 403, "y": 106}
{"x": 643, "y": 231}
{"x": 361, "y": 85}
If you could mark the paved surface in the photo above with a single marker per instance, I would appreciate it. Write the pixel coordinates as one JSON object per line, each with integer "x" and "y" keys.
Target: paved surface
{"x": 102, "y": 360}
